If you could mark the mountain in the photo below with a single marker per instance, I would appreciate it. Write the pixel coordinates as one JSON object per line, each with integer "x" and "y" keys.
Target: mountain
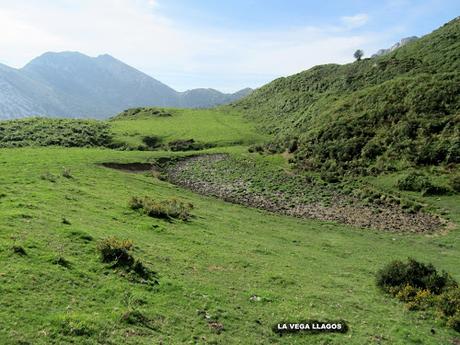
{"x": 203, "y": 98}
{"x": 370, "y": 116}
{"x": 397, "y": 45}
{"x": 71, "y": 84}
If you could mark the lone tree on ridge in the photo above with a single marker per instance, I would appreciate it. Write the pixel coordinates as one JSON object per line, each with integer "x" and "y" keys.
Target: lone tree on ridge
{"x": 358, "y": 54}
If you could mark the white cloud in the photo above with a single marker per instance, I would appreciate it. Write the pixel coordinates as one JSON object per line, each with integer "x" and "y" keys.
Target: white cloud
{"x": 355, "y": 21}
{"x": 135, "y": 32}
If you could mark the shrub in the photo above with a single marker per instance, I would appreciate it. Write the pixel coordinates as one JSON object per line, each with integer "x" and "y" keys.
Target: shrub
{"x": 397, "y": 274}
{"x": 414, "y": 182}
{"x": 420, "y": 286}
{"x": 454, "y": 182}
{"x": 151, "y": 141}
{"x": 418, "y": 182}
{"x": 167, "y": 209}
{"x": 454, "y": 322}
{"x": 19, "y": 250}
{"x": 449, "y": 302}
{"x": 188, "y": 145}
{"x": 116, "y": 251}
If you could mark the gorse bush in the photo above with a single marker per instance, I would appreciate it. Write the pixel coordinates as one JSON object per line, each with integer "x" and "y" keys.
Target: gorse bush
{"x": 398, "y": 274}
{"x": 421, "y": 286}
{"x": 116, "y": 251}
{"x": 166, "y": 209}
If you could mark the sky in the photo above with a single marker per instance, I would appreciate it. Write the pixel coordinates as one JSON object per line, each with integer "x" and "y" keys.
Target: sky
{"x": 226, "y": 45}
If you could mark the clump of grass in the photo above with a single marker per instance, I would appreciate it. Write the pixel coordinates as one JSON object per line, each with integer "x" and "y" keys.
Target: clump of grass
{"x": 77, "y": 326}
{"x": 117, "y": 252}
{"x": 19, "y": 250}
{"x": 166, "y": 209}
{"x": 61, "y": 261}
{"x": 420, "y": 286}
{"x": 65, "y": 221}
{"x": 66, "y": 173}
{"x": 47, "y": 176}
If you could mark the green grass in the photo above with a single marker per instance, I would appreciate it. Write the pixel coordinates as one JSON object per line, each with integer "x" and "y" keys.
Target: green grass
{"x": 216, "y": 127}
{"x": 211, "y": 265}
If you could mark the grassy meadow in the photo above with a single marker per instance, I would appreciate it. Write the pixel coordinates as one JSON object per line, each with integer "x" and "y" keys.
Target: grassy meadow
{"x": 210, "y": 126}
{"x": 225, "y": 277}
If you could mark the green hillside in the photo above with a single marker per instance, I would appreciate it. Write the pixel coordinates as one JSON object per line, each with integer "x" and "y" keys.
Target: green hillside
{"x": 372, "y": 115}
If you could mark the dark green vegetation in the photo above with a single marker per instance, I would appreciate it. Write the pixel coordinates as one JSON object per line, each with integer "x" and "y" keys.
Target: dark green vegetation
{"x": 135, "y": 113}
{"x": 421, "y": 287}
{"x": 416, "y": 181}
{"x": 54, "y": 132}
{"x": 375, "y": 115}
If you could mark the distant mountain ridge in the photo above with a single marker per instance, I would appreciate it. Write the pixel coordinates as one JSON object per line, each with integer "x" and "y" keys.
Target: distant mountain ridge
{"x": 71, "y": 84}
{"x": 395, "y": 46}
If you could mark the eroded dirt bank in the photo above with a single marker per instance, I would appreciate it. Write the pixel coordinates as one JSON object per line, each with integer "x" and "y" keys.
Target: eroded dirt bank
{"x": 200, "y": 175}
{"x": 214, "y": 175}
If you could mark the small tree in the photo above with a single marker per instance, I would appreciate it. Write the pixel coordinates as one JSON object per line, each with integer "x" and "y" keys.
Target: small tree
{"x": 358, "y": 54}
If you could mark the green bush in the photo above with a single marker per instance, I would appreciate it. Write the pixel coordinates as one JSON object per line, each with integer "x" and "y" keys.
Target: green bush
{"x": 152, "y": 141}
{"x": 454, "y": 322}
{"x": 166, "y": 209}
{"x": 449, "y": 302}
{"x": 414, "y": 182}
{"x": 418, "y": 182}
{"x": 397, "y": 274}
{"x": 454, "y": 182}
{"x": 421, "y": 287}
{"x": 187, "y": 145}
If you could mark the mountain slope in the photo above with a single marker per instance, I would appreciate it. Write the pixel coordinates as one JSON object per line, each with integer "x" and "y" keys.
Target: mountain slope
{"x": 369, "y": 114}
{"x": 71, "y": 84}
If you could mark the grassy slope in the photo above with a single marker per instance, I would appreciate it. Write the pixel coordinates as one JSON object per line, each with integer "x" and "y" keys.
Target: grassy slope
{"x": 211, "y": 265}
{"x": 371, "y": 113}
{"x": 226, "y": 254}
{"x": 205, "y": 126}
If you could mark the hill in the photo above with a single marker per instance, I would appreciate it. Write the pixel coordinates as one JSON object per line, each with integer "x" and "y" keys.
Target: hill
{"x": 371, "y": 115}
{"x": 71, "y": 84}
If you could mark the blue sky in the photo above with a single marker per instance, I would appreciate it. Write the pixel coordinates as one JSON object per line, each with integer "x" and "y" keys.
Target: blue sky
{"x": 226, "y": 45}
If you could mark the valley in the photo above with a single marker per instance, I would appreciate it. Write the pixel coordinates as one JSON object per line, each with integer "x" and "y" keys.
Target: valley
{"x": 301, "y": 201}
